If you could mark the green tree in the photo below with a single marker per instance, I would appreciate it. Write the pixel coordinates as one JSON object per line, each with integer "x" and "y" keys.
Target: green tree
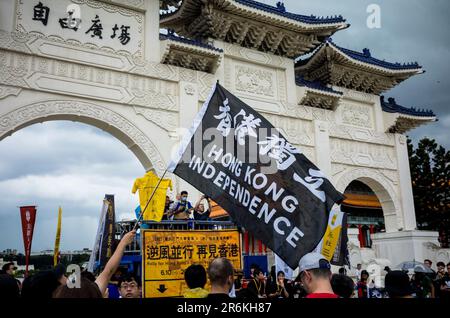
{"x": 430, "y": 176}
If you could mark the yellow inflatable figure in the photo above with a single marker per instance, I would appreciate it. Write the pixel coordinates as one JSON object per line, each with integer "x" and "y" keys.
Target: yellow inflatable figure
{"x": 146, "y": 185}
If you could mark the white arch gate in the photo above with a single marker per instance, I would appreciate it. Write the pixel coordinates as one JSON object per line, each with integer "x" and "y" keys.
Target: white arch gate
{"x": 48, "y": 74}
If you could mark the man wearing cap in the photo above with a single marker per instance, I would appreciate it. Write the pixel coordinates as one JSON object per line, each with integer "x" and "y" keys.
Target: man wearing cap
{"x": 315, "y": 275}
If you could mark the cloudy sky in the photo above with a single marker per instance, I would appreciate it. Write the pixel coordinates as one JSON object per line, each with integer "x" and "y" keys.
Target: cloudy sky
{"x": 74, "y": 165}
{"x": 411, "y": 30}
{"x": 71, "y": 164}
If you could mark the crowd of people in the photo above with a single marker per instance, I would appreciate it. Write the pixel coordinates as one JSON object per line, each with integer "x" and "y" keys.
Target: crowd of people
{"x": 423, "y": 283}
{"x": 54, "y": 283}
{"x": 315, "y": 280}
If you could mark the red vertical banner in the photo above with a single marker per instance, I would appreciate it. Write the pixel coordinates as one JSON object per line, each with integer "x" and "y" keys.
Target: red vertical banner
{"x": 246, "y": 246}
{"x": 28, "y": 217}
{"x": 253, "y": 244}
{"x": 360, "y": 236}
{"x": 260, "y": 248}
{"x": 363, "y": 237}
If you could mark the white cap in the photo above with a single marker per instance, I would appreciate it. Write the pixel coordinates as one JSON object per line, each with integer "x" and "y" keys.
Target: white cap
{"x": 313, "y": 261}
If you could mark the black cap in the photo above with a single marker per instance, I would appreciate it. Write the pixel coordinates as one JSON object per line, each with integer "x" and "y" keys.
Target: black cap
{"x": 397, "y": 284}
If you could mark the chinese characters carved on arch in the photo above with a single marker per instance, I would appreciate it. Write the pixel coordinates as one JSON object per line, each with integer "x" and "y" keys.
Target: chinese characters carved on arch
{"x": 93, "y": 24}
{"x": 72, "y": 21}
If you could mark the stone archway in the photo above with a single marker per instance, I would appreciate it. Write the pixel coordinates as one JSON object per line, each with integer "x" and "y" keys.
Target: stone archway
{"x": 383, "y": 189}
{"x": 91, "y": 114}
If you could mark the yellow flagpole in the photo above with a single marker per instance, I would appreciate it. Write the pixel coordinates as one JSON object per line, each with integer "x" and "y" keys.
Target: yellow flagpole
{"x": 57, "y": 239}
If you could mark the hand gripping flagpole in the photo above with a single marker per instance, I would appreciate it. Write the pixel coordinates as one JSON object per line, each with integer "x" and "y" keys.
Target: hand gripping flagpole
{"x": 149, "y": 200}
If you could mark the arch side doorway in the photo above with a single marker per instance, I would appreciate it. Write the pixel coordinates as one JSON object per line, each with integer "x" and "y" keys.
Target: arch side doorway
{"x": 364, "y": 211}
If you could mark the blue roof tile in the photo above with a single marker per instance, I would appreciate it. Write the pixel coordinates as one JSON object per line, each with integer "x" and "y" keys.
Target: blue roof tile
{"x": 365, "y": 56}
{"x": 173, "y": 37}
{"x": 391, "y": 106}
{"x": 299, "y": 80}
{"x": 281, "y": 10}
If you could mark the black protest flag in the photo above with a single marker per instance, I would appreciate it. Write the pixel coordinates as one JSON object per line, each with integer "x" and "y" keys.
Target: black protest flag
{"x": 237, "y": 158}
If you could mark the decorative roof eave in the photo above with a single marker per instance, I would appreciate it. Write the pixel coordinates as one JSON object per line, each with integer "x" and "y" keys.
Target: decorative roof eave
{"x": 189, "y": 54}
{"x": 317, "y": 99}
{"x": 194, "y": 43}
{"x": 317, "y": 87}
{"x": 260, "y": 11}
{"x": 333, "y": 53}
{"x": 165, "y": 4}
{"x": 359, "y": 71}
{"x": 418, "y": 118}
{"x": 318, "y": 95}
{"x": 404, "y": 123}
{"x": 391, "y": 106}
{"x": 400, "y": 119}
{"x": 233, "y": 22}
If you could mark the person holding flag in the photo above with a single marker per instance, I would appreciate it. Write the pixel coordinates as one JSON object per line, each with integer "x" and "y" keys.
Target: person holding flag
{"x": 97, "y": 289}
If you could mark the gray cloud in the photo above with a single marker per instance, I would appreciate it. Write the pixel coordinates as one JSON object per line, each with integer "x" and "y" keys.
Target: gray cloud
{"x": 411, "y": 30}
{"x": 37, "y": 151}
{"x": 63, "y": 164}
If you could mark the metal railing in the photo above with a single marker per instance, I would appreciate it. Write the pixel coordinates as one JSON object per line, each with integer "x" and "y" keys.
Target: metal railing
{"x": 188, "y": 225}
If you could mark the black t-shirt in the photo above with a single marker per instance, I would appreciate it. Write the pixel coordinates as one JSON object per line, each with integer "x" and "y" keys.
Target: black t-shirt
{"x": 274, "y": 288}
{"x": 257, "y": 288}
{"x": 201, "y": 216}
{"x": 166, "y": 211}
